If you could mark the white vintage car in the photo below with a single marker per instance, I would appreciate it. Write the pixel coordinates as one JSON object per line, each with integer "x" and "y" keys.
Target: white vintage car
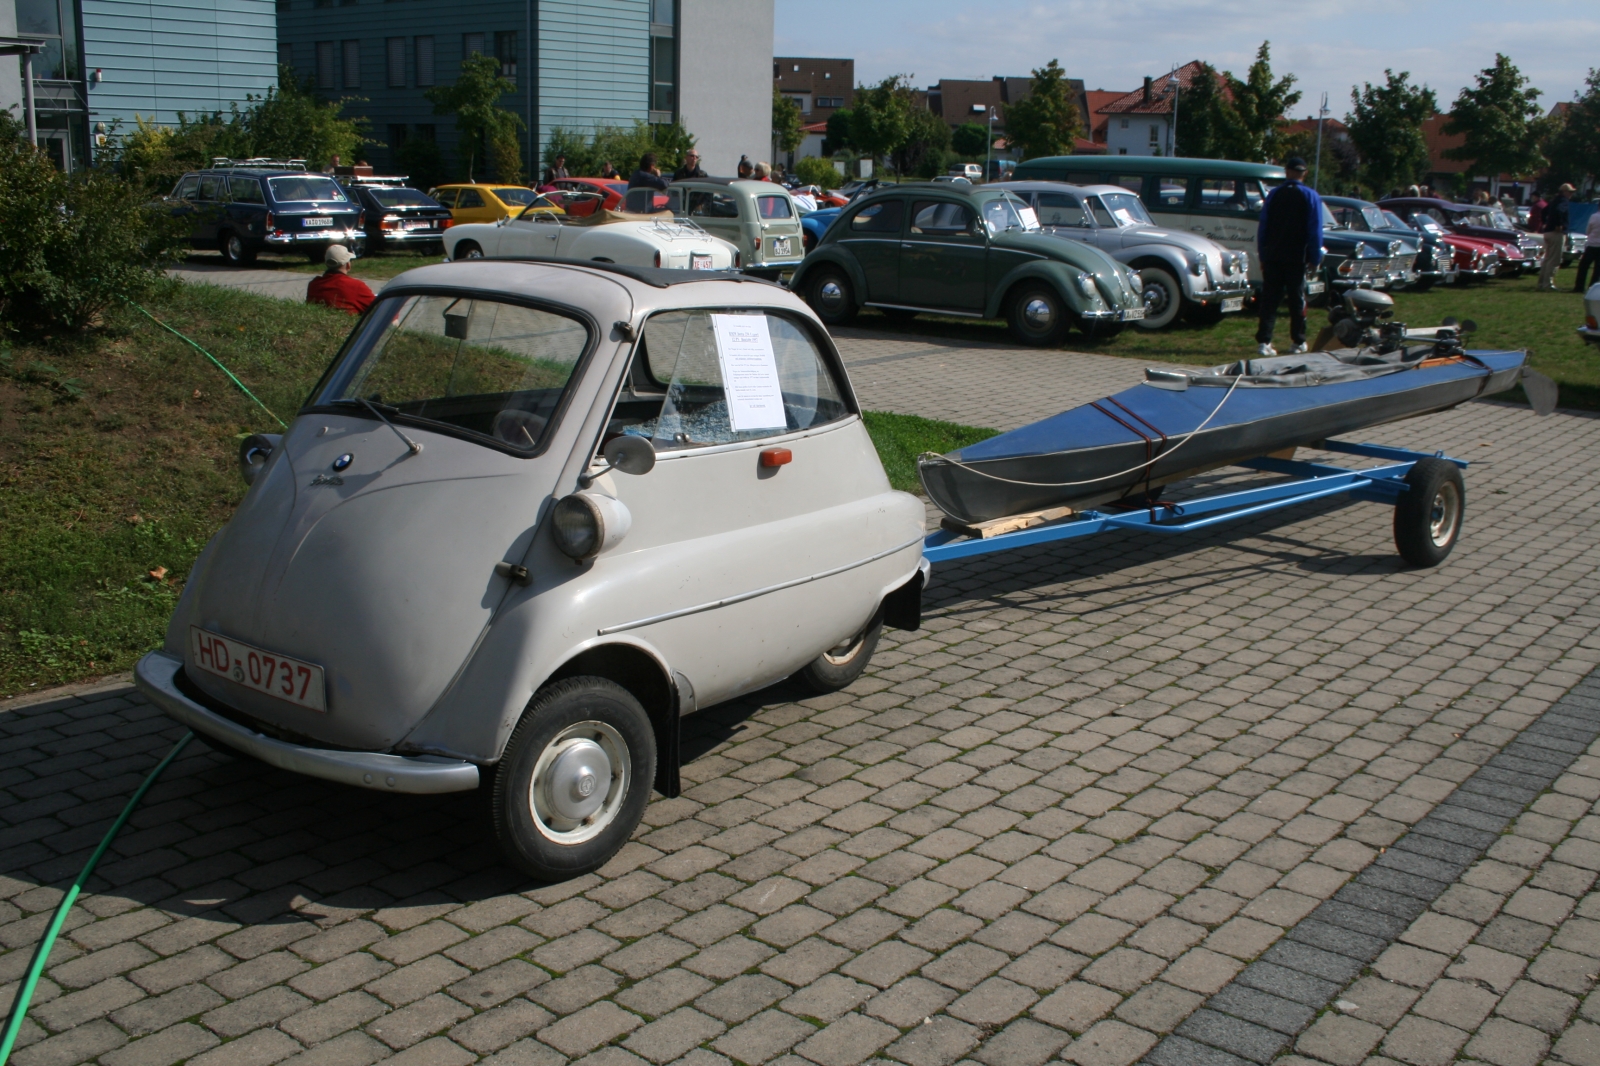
{"x": 543, "y": 231}
{"x": 1590, "y": 330}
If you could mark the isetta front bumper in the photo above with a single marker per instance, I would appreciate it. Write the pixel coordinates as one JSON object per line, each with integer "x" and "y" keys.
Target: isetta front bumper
{"x": 156, "y": 677}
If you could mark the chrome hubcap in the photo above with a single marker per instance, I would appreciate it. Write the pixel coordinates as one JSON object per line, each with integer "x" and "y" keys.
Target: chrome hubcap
{"x": 235, "y": 248}
{"x": 1444, "y": 515}
{"x": 1156, "y": 299}
{"x": 830, "y": 294}
{"x": 1038, "y": 313}
{"x": 579, "y": 782}
{"x": 474, "y": 253}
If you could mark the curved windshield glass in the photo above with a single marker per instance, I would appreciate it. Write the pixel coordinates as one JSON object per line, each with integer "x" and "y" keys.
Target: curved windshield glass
{"x": 1126, "y": 209}
{"x": 1392, "y": 221}
{"x": 1008, "y": 212}
{"x": 306, "y": 187}
{"x": 1372, "y": 217}
{"x": 1427, "y": 224}
{"x": 511, "y": 194}
{"x": 484, "y": 368}
{"x": 1328, "y": 221}
{"x": 391, "y": 196}
{"x": 543, "y": 209}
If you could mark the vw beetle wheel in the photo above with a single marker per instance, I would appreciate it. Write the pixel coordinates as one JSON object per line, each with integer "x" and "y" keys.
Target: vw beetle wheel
{"x": 1427, "y": 519}
{"x": 1039, "y": 317}
{"x": 838, "y": 667}
{"x": 574, "y": 780}
{"x": 831, "y": 297}
{"x": 1163, "y": 298}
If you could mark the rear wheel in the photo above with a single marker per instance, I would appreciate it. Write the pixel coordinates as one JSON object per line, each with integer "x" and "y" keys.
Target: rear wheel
{"x": 235, "y": 252}
{"x": 831, "y": 296}
{"x": 839, "y": 667}
{"x": 1038, "y": 316}
{"x": 1427, "y": 519}
{"x": 467, "y": 250}
{"x": 1163, "y": 298}
{"x": 574, "y": 780}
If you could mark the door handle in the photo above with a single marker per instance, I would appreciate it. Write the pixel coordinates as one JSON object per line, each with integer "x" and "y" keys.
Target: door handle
{"x": 907, "y": 244}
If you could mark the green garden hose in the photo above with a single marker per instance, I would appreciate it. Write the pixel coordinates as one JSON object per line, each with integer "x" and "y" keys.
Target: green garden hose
{"x": 19, "y": 1009}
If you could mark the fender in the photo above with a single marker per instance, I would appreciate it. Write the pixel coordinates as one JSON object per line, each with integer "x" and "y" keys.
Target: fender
{"x": 834, "y": 255}
{"x": 1060, "y": 276}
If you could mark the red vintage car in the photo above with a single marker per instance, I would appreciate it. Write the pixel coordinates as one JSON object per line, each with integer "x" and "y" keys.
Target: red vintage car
{"x": 583, "y": 196}
{"x": 1457, "y": 219}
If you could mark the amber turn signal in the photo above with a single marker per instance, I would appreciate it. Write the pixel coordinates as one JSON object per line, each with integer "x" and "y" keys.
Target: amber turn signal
{"x": 776, "y": 457}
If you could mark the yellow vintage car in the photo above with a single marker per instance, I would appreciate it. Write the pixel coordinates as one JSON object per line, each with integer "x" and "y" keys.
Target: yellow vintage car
{"x": 483, "y": 202}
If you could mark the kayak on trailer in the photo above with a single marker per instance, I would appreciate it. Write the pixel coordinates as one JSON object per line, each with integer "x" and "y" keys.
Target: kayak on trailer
{"x": 1180, "y": 423}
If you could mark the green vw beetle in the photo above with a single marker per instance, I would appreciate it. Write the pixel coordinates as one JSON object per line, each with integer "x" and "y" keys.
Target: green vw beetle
{"x": 974, "y": 252}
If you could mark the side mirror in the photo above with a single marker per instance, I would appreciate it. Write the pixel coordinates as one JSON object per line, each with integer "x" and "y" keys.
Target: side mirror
{"x": 254, "y": 451}
{"x": 626, "y": 455}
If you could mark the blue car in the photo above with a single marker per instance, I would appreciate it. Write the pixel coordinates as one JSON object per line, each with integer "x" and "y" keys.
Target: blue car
{"x": 241, "y": 209}
{"x": 1435, "y": 265}
{"x": 815, "y": 224}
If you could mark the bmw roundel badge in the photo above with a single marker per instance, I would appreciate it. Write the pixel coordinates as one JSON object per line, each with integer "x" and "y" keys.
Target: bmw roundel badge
{"x": 343, "y": 461}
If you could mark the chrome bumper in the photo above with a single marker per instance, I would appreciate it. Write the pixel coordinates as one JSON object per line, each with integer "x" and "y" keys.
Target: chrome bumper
{"x": 156, "y": 677}
{"x": 324, "y": 237}
{"x": 1130, "y": 315}
{"x": 1242, "y": 289}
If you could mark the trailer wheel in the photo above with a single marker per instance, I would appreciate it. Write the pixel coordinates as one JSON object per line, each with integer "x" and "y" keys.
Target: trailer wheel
{"x": 839, "y": 667}
{"x": 1427, "y": 519}
{"x": 574, "y": 780}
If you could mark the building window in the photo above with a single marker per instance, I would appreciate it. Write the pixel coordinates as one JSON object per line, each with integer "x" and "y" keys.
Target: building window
{"x": 427, "y": 131}
{"x": 663, "y": 74}
{"x": 325, "y": 65}
{"x": 1122, "y": 151}
{"x": 505, "y": 50}
{"x": 285, "y": 55}
{"x": 1155, "y": 135}
{"x": 397, "y": 136}
{"x": 826, "y": 75}
{"x": 661, "y": 12}
{"x": 424, "y": 62}
{"x": 1124, "y": 124}
{"x": 352, "y": 64}
{"x": 397, "y": 63}
{"x": 471, "y": 44}
{"x": 283, "y": 5}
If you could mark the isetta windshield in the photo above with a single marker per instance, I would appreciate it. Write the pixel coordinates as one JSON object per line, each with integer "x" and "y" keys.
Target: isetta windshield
{"x": 484, "y": 368}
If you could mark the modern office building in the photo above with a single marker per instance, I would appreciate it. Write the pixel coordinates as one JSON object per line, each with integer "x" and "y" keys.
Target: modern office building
{"x": 577, "y": 64}
{"x": 107, "y": 60}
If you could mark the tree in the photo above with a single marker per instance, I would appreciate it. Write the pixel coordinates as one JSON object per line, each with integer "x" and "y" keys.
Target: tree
{"x": 878, "y": 120}
{"x": 786, "y": 132}
{"x": 621, "y": 146}
{"x": 1499, "y": 118}
{"x": 1257, "y": 109}
{"x": 421, "y": 162}
{"x": 1386, "y": 128}
{"x": 970, "y": 140}
{"x": 838, "y": 136}
{"x": 1047, "y": 120}
{"x": 1573, "y": 146}
{"x": 1205, "y": 115}
{"x": 474, "y": 100}
{"x": 926, "y": 144}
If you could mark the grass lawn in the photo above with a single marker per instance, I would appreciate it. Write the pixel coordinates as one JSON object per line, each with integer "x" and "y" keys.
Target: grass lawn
{"x": 369, "y": 267}
{"x": 1509, "y": 314}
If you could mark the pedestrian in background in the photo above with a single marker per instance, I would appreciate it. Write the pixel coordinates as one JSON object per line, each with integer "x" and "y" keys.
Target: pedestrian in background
{"x": 690, "y": 168}
{"x": 336, "y": 288}
{"x": 745, "y": 169}
{"x": 608, "y": 171}
{"x": 1288, "y": 239}
{"x": 648, "y": 176}
{"x": 763, "y": 172}
{"x": 1555, "y": 237}
{"x": 556, "y": 170}
{"x": 1591, "y": 254}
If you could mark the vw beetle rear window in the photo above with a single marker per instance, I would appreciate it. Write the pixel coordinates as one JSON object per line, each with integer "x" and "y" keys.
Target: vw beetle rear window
{"x": 482, "y": 368}
{"x": 706, "y": 377}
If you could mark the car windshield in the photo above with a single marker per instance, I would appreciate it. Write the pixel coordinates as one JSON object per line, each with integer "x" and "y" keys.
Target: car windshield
{"x": 1372, "y": 217}
{"x": 306, "y": 187}
{"x": 1427, "y": 223}
{"x": 542, "y": 208}
{"x": 1499, "y": 220}
{"x": 1126, "y": 209}
{"x": 488, "y": 369}
{"x": 512, "y": 195}
{"x": 1328, "y": 221}
{"x": 1007, "y": 213}
{"x": 392, "y": 196}
{"x": 1392, "y": 221}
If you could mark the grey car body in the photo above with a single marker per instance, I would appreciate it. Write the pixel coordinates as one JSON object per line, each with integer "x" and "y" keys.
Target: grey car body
{"x": 757, "y": 217}
{"x": 1181, "y": 272}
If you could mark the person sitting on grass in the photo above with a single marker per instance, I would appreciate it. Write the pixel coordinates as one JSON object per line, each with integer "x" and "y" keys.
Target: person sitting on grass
{"x": 336, "y": 287}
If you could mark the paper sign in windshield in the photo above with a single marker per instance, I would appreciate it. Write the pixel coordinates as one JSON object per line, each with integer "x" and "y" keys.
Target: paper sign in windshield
{"x": 1030, "y": 217}
{"x": 749, "y": 372}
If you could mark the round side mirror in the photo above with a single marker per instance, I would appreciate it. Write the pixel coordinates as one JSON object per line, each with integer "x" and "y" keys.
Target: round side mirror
{"x": 631, "y": 455}
{"x": 1468, "y": 326}
{"x": 254, "y": 451}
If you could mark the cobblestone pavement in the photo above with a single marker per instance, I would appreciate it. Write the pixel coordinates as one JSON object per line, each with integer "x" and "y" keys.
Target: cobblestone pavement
{"x": 1102, "y": 781}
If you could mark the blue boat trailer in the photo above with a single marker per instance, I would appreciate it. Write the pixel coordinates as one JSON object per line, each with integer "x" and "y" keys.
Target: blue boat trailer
{"x": 1388, "y": 484}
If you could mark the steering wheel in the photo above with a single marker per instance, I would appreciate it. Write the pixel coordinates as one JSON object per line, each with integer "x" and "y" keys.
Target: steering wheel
{"x": 518, "y": 428}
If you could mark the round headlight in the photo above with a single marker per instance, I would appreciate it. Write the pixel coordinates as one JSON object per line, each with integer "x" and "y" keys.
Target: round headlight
{"x": 1086, "y": 286}
{"x": 586, "y": 524}
{"x": 1197, "y": 263}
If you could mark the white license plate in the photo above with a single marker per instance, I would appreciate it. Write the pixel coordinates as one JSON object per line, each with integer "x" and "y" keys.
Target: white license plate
{"x": 700, "y": 262}
{"x": 319, "y": 222}
{"x": 1235, "y": 304}
{"x": 419, "y": 225}
{"x": 1133, "y": 314}
{"x": 1314, "y": 287}
{"x": 780, "y": 246}
{"x": 296, "y": 682}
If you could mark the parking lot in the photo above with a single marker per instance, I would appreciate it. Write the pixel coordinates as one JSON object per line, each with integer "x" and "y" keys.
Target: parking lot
{"x": 1219, "y": 799}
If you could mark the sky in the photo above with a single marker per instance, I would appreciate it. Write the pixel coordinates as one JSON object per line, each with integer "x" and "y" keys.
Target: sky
{"x": 1113, "y": 45}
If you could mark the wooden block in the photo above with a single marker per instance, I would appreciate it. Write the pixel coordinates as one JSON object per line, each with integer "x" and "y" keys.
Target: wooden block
{"x": 1010, "y": 524}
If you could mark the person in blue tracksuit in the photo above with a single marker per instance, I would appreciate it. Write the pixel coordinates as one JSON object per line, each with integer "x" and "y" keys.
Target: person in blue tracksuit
{"x": 1288, "y": 240}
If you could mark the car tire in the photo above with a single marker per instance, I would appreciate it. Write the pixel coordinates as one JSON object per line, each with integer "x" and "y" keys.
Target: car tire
{"x": 839, "y": 667}
{"x": 1039, "y": 317}
{"x": 235, "y": 252}
{"x": 581, "y": 732}
{"x": 831, "y": 296}
{"x": 1163, "y": 298}
{"x": 467, "y": 250}
{"x": 1428, "y": 517}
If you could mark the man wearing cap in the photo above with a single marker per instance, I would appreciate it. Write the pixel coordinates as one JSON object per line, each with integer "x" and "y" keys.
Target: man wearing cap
{"x": 1288, "y": 239}
{"x": 336, "y": 287}
{"x": 1555, "y": 237}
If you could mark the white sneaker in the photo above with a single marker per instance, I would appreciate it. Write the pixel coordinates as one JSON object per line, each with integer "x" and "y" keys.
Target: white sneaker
{"x": 1301, "y": 349}
{"x": 1266, "y": 351}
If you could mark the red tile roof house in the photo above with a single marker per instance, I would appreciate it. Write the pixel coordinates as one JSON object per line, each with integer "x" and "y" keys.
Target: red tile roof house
{"x": 1140, "y": 122}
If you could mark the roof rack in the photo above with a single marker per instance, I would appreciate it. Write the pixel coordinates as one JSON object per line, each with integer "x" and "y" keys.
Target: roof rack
{"x": 222, "y": 162}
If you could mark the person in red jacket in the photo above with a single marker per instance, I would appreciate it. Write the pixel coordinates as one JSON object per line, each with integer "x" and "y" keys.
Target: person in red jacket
{"x": 337, "y": 288}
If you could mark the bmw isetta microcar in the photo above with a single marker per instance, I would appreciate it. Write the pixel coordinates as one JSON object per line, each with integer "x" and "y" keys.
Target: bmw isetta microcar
{"x": 533, "y": 513}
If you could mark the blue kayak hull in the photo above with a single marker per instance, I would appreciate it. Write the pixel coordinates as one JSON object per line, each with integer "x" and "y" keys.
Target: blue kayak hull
{"x": 1144, "y": 437}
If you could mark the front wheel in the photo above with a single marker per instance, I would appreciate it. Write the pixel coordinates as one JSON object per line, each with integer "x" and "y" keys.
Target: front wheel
{"x": 467, "y": 250}
{"x": 838, "y": 667}
{"x": 1163, "y": 298}
{"x": 574, "y": 780}
{"x": 1039, "y": 317}
{"x": 831, "y": 297}
{"x": 1427, "y": 518}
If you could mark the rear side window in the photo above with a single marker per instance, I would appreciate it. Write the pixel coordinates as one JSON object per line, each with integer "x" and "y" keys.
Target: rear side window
{"x": 1134, "y": 183}
{"x": 1060, "y": 209}
{"x": 1230, "y": 196}
{"x": 881, "y": 217}
{"x": 246, "y": 190}
{"x": 714, "y": 205}
{"x": 186, "y": 188}
{"x": 936, "y": 218}
{"x": 774, "y": 207}
{"x": 1171, "y": 193}
{"x": 470, "y": 198}
{"x": 446, "y": 197}
{"x": 213, "y": 189}
{"x": 728, "y": 376}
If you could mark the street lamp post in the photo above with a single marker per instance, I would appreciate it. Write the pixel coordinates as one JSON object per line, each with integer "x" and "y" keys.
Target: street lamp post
{"x": 988, "y": 148}
{"x": 1316, "y": 175}
{"x": 1172, "y": 80}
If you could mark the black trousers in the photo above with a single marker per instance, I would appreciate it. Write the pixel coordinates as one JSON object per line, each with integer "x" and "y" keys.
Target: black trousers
{"x": 1591, "y": 258}
{"x": 1280, "y": 281}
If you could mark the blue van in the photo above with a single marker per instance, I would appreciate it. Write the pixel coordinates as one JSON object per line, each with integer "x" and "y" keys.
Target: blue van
{"x": 243, "y": 208}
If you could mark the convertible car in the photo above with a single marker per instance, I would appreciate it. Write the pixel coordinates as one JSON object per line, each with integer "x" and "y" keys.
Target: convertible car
{"x": 601, "y": 236}
{"x": 1520, "y": 253}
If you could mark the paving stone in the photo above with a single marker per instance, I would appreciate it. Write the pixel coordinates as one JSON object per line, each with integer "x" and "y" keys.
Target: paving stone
{"x": 586, "y": 1030}
{"x": 419, "y": 1020}
{"x": 673, "y": 1035}
{"x": 762, "y": 1038}
{"x": 937, "y": 1043}
{"x": 847, "y": 1041}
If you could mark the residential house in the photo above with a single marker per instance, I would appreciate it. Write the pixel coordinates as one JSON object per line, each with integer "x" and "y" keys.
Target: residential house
{"x": 1140, "y": 122}
{"x": 820, "y": 88}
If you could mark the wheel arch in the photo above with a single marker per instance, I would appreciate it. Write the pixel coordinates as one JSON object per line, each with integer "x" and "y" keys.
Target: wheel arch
{"x": 830, "y": 256}
{"x": 665, "y": 696}
{"x": 1052, "y": 274}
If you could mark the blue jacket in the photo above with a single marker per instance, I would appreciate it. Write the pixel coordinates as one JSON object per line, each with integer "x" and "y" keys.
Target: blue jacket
{"x": 1290, "y": 230}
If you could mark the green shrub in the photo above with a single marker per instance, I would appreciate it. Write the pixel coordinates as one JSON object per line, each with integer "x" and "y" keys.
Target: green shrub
{"x": 621, "y": 146}
{"x": 814, "y": 171}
